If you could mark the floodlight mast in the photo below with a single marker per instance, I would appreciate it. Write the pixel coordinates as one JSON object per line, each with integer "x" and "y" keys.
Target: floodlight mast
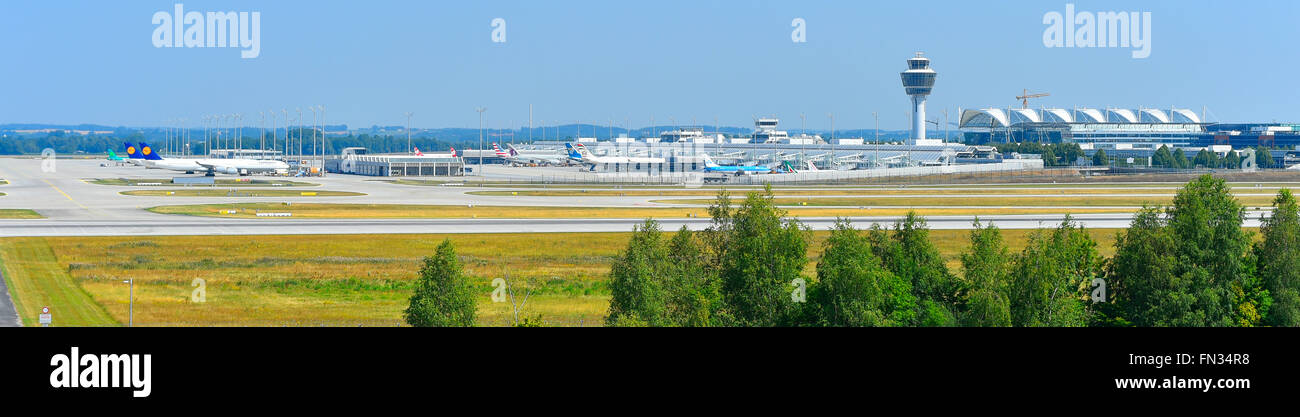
{"x": 409, "y": 148}
{"x": 480, "y": 111}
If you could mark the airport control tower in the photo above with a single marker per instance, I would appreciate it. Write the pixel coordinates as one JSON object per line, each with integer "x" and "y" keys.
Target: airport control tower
{"x": 918, "y": 80}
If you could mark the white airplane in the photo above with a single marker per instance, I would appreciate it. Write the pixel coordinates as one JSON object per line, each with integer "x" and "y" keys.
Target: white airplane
{"x": 534, "y": 157}
{"x": 211, "y": 165}
{"x": 437, "y": 155}
{"x": 581, "y": 153}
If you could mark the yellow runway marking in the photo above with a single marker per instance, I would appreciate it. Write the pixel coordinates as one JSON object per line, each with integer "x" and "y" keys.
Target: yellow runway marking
{"x": 64, "y": 194}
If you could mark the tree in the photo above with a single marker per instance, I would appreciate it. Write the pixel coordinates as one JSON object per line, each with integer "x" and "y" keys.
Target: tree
{"x": 1100, "y": 159}
{"x": 908, "y": 253}
{"x": 1163, "y": 158}
{"x": 443, "y": 296}
{"x": 1191, "y": 267}
{"x": 1205, "y": 158}
{"x": 1278, "y": 255}
{"x": 1050, "y": 282}
{"x": 1232, "y": 160}
{"x": 1214, "y": 250}
{"x": 1049, "y": 158}
{"x": 637, "y": 296}
{"x": 764, "y": 257}
{"x": 1263, "y": 158}
{"x": 986, "y": 267}
{"x": 853, "y": 289}
{"x": 1141, "y": 281}
{"x": 1180, "y": 159}
{"x": 693, "y": 293}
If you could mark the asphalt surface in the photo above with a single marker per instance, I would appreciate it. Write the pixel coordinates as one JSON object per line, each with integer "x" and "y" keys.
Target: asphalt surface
{"x": 8, "y": 314}
{"x": 74, "y": 207}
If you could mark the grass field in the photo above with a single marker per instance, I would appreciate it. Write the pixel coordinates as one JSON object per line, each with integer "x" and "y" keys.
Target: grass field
{"x": 347, "y": 280}
{"x": 403, "y": 211}
{"x": 19, "y": 214}
{"x": 215, "y": 192}
{"x": 228, "y": 182}
{"x": 36, "y": 279}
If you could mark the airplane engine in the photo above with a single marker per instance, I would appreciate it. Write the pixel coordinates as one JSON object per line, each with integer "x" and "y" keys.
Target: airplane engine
{"x": 227, "y": 170}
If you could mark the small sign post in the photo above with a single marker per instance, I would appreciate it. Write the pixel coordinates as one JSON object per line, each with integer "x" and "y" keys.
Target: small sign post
{"x": 46, "y": 318}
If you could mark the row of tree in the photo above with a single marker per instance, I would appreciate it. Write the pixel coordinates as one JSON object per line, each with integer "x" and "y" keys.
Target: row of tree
{"x": 1054, "y": 154}
{"x": 1164, "y": 157}
{"x": 1189, "y": 264}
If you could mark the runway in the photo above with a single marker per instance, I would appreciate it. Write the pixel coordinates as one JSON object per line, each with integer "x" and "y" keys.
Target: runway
{"x": 75, "y": 207}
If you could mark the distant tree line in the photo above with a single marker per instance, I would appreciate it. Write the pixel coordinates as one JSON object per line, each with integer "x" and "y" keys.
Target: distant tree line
{"x": 1054, "y": 154}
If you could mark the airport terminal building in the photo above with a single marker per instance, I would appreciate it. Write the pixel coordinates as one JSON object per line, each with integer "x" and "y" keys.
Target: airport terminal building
{"x": 1121, "y": 132}
{"x": 357, "y": 162}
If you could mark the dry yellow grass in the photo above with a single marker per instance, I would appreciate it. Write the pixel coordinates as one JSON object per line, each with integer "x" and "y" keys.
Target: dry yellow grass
{"x": 345, "y": 280}
{"x": 19, "y": 214}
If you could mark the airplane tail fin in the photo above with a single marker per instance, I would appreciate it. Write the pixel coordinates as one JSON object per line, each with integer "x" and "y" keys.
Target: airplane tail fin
{"x": 418, "y": 153}
{"x": 497, "y": 148}
{"x": 577, "y": 152}
{"x": 147, "y": 152}
{"x": 708, "y": 162}
{"x": 582, "y": 151}
{"x": 111, "y": 154}
{"x": 812, "y": 167}
{"x": 453, "y": 151}
{"x": 132, "y": 151}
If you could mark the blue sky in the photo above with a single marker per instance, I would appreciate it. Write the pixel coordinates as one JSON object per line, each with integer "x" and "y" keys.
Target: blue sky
{"x": 370, "y": 62}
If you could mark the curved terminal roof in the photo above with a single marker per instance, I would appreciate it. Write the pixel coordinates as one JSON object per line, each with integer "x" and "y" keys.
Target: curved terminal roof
{"x": 989, "y": 118}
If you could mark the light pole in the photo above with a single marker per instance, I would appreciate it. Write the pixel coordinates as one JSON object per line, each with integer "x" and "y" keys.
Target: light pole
{"x": 480, "y": 111}
{"x": 409, "y": 149}
{"x": 130, "y": 302}
{"x": 300, "y": 138}
{"x": 876, "y": 116}
{"x": 285, "y": 111}
{"x": 833, "y": 156}
{"x": 206, "y": 121}
{"x": 313, "y": 133}
{"x": 322, "y": 140}
{"x": 272, "y": 113}
{"x": 261, "y": 139}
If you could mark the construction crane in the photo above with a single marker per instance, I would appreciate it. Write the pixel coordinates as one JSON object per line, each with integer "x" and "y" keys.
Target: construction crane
{"x": 1025, "y": 96}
